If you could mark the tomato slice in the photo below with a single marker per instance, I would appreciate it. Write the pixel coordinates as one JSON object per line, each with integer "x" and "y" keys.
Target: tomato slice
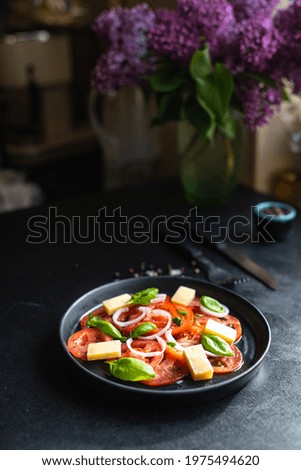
{"x": 132, "y": 313}
{"x": 190, "y": 337}
{"x": 98, "y": 312}
{"x": 171, "y": 369}
{"x": 78, "y": 343}
{"x": 225, "y": 365}
{"x": 195, "y": 304}
{"x": 143, "y": 346}
{"x": 233, "y": 322}
{"x": 153, "y": 317}
{"x": 186, "y": 320}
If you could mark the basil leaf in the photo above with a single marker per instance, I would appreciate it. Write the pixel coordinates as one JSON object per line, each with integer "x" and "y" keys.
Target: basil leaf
{"x": 142, "y": 329}
{"x": 212, "y": 304}
{"x": 177, "y": 321}
{"x": 131, "y": 369}
{"x": 106, "y": 327}
{"x": 144, "y": 297}
{"x": 216, "y": 345}
{"x": 171, "y": 344}
{"x": 182, "y": 312}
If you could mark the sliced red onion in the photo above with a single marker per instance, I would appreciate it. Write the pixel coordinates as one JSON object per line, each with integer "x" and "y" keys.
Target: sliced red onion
{"x": 147, "y": 354}
{"x": 215, "y": 314}
{"x": 122, "y": 324}
{"x": 164, "y": 313}
{"x": 159, "y": 298}
{"x": 210, "y": 354}
{"x": 171, "y": 339}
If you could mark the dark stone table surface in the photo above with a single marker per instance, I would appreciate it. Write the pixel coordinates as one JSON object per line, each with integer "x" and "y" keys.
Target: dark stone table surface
{"x": 44, "y": 405}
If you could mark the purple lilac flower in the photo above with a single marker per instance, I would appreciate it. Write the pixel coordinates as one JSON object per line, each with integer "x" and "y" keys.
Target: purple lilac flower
{"x": 259, "y": 42}
{"x": 288, "y": 61}
{"x": 258, "y": 103}
{"x": 213, "y": 20}
{"x": 179, "y": 33}
{"x": 288, "y": 24}
{"x": 173, "y": 36}
{"x": 107, "y": 24}
{"x": 244, "y": 9}
{"x": 124, "y": 62}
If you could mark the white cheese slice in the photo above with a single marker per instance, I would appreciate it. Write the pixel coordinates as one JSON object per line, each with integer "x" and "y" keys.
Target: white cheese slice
{"x": 183, "y": 295}
{"x": 115, "y": 303}
{"x": 104, "y": 350}
{"x": 198, "y": 363}
{"x": 215, "y": 328}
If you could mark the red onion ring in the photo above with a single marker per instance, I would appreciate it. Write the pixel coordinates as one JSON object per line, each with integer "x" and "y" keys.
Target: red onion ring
{"x": 206, "y": 311}
{"x": 210, "y": 354}
{"x": 164, "y": 313}
{"x": 159, "y": 298}
{"x": 171, "y": 339}
{"x": 147, "y": 354}
{"x": 122, "y": 324}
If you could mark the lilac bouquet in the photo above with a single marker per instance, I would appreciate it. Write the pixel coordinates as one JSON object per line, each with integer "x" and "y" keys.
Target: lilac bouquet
{"x": 207, "y": 61}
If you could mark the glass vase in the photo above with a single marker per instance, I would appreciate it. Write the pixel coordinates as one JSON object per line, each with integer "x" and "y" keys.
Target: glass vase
{"x": 210, "y": 170}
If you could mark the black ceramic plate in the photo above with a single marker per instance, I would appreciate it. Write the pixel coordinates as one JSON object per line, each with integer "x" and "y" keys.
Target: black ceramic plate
{"x": 254, "y": 344}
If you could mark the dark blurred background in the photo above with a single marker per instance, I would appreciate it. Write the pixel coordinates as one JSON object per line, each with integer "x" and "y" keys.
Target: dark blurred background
{"x": 59, "y": 137}
{"x": 47, "y": 53}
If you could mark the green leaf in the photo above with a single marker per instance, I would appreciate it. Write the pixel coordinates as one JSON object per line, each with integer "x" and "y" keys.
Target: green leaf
{"x": 167, "y": 78}
{"x": 229, "y": 126}
{"x": 212, "y": 304}
{"x": 216, "y": 345}
{"x": 214, "y": 93}
{"x": 203, "y": 101}
{"x": 225, "y": 86}
{"x": 200, "y": 64}
{"x": 177, "y": 321}
{"x": 145, "y": 327}
{"x": 285, "y": 95}
{"x": 269, "y": 82}
{"x": 105, "y": 326}
{"x": 182, "y": 312}
{"x": 199, "y": 118}
{"x": 144, "y": 297}
{"x": 171, "y": 344}
{"x": 207, "y": 94}
{"x": 169, "y": 108}
{"x": 131, "y": 369}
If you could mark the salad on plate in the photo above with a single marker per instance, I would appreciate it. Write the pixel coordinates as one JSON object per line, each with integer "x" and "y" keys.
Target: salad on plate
{"x": 157, "y": 339}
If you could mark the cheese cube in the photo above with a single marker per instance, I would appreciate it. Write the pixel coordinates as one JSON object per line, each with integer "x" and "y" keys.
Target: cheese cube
{"x": 115, "y": 303}
{"x": 215, "y": 328}
{"x": 198, "y": 363}
{"x": 183, "y": 295}
{"x": 105, "y": 350}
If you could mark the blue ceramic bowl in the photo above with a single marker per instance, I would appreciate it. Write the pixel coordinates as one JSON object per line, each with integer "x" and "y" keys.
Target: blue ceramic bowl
{"x": 274, "y": 217}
